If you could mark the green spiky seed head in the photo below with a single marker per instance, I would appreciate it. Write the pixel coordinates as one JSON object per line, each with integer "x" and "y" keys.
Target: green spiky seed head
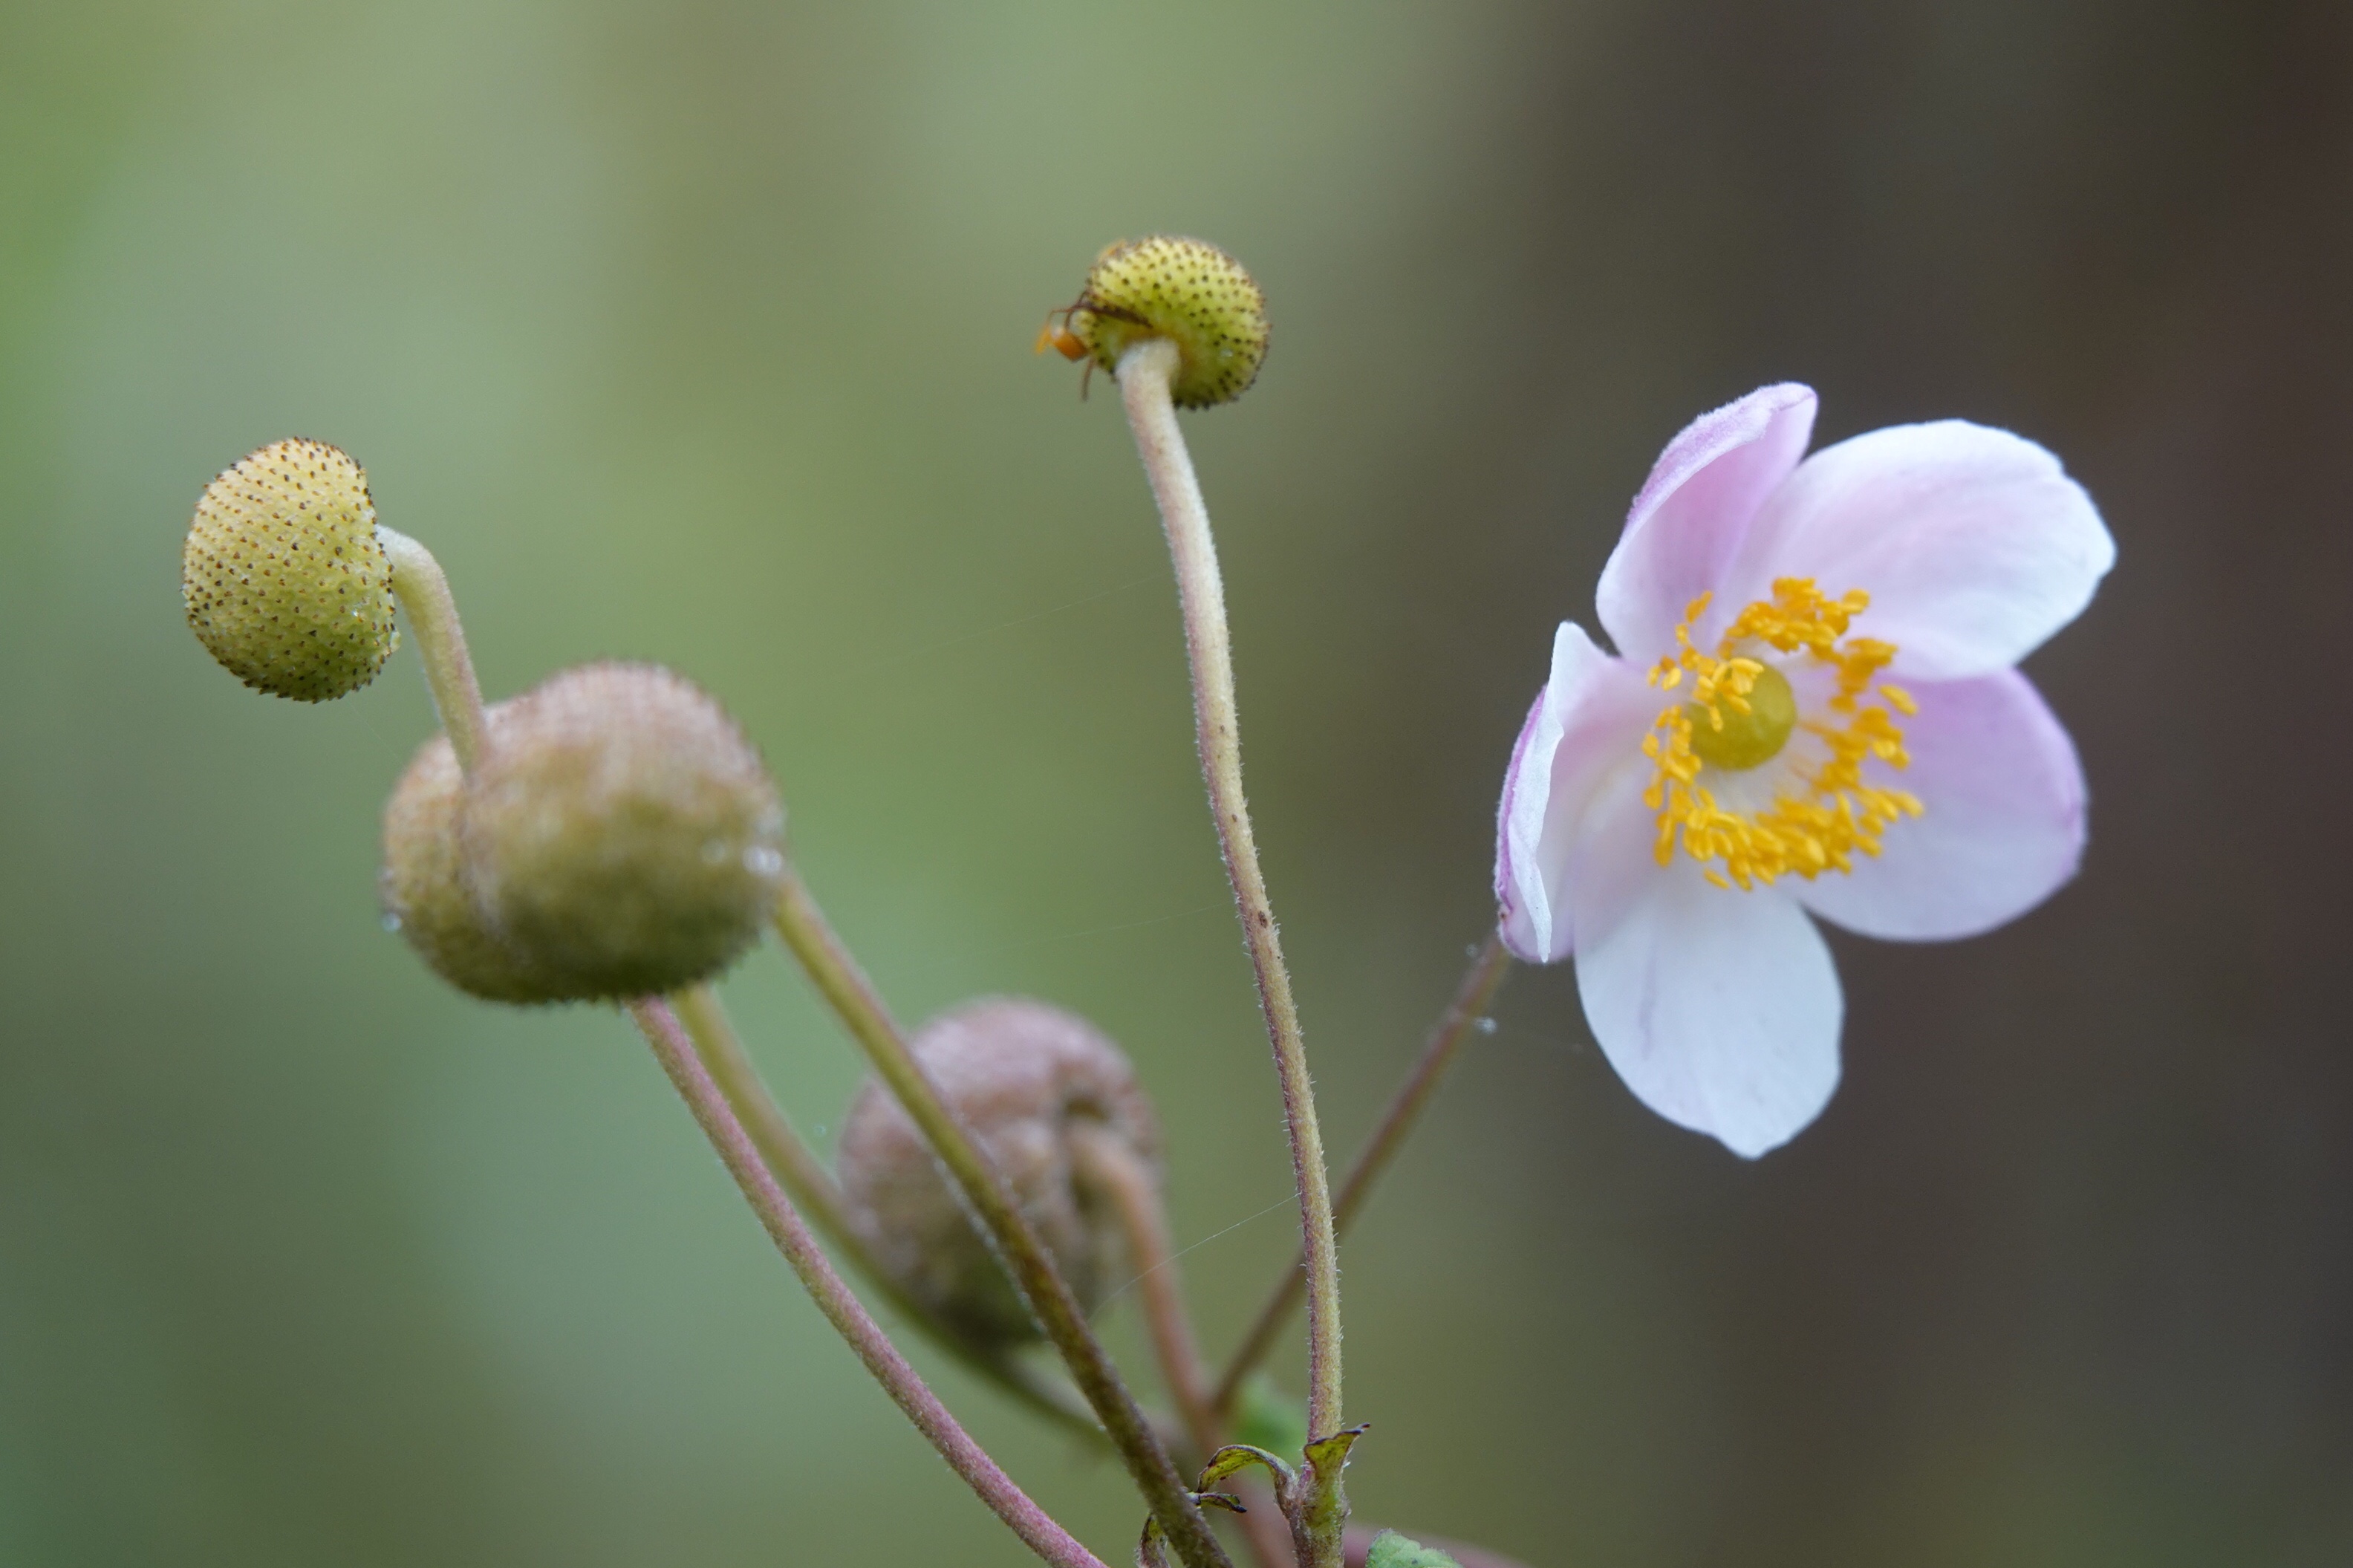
{"x": 424, "y": 888}
{"x": 1187, "y": 290}
{"x": 1019, "y": 1074}
{"x": 620, "y": 834}
{"x": 282, "y": 576}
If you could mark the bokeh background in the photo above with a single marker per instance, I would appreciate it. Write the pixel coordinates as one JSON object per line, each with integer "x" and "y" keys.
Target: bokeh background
{"x": 700, "y": 332}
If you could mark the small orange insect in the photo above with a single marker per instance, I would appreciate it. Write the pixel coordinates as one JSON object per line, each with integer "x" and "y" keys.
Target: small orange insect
{"x": 1058, "y": 336}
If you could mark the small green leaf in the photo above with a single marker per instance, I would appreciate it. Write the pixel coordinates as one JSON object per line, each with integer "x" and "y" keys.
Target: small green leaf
{"x": 1323, "y": 1510}
{"x": 1330, "y": 1455}
{"x": 1271, "y": 1419}
{"x": 1235, "y": 1457}
{"x": 1391, "y": 1550}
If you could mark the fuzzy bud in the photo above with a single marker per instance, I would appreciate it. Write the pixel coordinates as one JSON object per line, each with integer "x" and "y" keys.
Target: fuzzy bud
{"x": 1187, "y": 290}
{"x": 282, "y": 576}
{"x": 424, "y": 888}
{"x": 1019, "y": 1074}
{"x": 620, "y": 834}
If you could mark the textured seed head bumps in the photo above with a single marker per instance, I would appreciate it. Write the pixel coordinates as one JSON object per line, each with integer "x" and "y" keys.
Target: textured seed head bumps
{"x": 283, "y": 579}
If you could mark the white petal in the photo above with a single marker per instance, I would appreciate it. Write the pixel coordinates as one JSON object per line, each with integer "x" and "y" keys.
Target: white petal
{"x": 1586, "y": 722}
{"x": 1720, "y": 1009}
{"x": 2004, "y": 826}
{"x": 1688, "y": 523}
{"x": 1972, "y": 542}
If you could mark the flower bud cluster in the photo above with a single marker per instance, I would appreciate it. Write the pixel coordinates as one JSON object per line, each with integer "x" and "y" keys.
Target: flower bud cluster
{"x": 1020, "y": 1075}
{"x": 619, "y": 838}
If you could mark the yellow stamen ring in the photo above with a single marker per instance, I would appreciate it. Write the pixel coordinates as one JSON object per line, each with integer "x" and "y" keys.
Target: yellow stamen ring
{"x": 1741, "y": 713}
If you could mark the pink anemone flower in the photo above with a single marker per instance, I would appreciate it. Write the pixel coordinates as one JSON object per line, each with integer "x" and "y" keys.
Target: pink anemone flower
{"x": 1812, "y": 712}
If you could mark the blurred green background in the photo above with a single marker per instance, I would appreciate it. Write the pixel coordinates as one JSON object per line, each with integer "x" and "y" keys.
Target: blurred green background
{"x": 700, "y": 332}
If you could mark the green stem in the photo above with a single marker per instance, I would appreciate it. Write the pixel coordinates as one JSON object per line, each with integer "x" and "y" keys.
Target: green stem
{"x": 835, "y": 1300}
{"x": 424, "y": 595}
{"x": 1145, "y": 372}
{"x": 805, "y": 930}
{"x": 1447, "y": 1037}
{"x": 1103, "y": 1160}
{"x": 811, "y": 1187}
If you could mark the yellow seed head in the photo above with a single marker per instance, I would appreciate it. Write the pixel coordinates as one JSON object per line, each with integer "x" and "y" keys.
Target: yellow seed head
{"x": 620, "y": 834}
{"x": 1187, "y": 290}
{"x": 1020, "y": 1074}
{"x": 284, "y": 582}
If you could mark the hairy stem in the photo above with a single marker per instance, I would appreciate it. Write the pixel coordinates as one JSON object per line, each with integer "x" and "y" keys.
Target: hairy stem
{"x": 805, "y": 930}
{"x": 1144, "y": 379}
{"x": 1105, "y": 1162}
{"x": 676, "y": 1052}
{"x": 1472, "y": 999}
{"x": 432, "y": 611}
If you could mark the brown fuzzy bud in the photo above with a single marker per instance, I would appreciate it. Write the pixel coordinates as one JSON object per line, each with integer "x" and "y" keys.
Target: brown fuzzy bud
{"x": 282, "y": 576}
{"x": 424, "y": 888}
{"x": 620, "y": 836}
{"x": 1019, "y": 1074}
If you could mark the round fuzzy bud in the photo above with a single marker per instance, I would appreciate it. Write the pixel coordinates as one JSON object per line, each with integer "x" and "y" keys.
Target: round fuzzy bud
{"x": 282, "y": 576}
{"x": 1188, "y": 291}
{"x": 620, "y": 834}
{"x": 424, "y": 886}
{"x": 1019, "y": 1074}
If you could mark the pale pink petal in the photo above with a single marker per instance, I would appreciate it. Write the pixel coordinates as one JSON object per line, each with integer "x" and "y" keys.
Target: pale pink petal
{"x": 2004, "y": 826}
{"x": 1688, "y": 525}
{"x": 1586, "y": 722}
{"x": 1719, "y": 1008}
{"x": 1972, "y": 542}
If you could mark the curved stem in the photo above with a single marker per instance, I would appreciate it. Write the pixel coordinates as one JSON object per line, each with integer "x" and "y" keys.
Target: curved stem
{"x": 1104, "y": 1162}
{"x": 676, "y": 1052}
{"x": 1472, "y": 999}
{"x": 836, "y": 973}
{"x": 810, "y": 1185}
{"x": 424, "y": 594}
{"x": 1143, "y": 378}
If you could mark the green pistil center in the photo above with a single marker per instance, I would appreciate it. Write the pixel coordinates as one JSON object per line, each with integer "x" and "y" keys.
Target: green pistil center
{"x": 1733, "y": 739}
